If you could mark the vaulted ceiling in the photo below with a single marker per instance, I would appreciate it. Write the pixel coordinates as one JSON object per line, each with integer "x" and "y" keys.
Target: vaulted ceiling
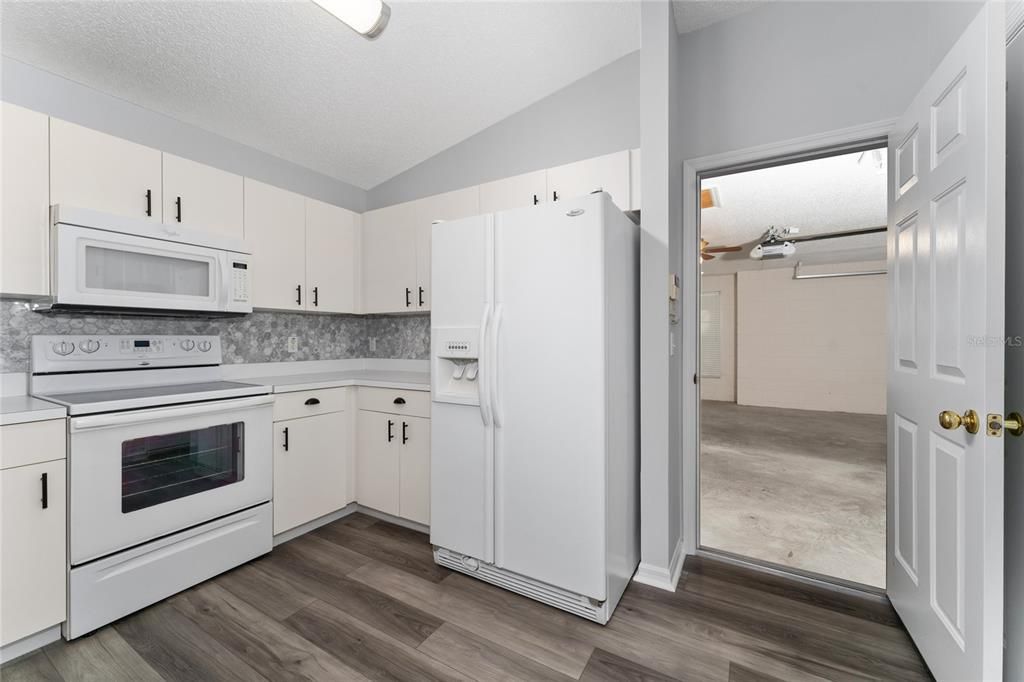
{"x": 287, "y": 78}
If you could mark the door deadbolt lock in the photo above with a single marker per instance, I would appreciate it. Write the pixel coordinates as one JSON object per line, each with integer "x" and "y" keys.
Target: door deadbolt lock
{"x": 951, "y": 421}
{"x": 1014, "y": 424}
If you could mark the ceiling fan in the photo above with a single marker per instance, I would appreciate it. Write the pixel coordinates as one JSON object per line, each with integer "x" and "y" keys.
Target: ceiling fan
{"x": 707, "y": 252}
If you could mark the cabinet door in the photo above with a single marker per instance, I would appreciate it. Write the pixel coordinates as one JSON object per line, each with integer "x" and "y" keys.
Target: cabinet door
{"x": 198, "y": 195}
{"x": 275, "y": 228}
{"x": 33, "y": 562}
{"x": 331, "y": 258}
{"x": 94, "y": 170}
{"x": 609, "y": 173}
{"x": 414, "y": 470}
{"x": 377, "y": 461}
{"x": 462, "y": 203}
{"x": 25, "y": 188}
{"x": 389, "y": 260}
{"x": 310, "y": 473}
{"x": 515, "y": 192}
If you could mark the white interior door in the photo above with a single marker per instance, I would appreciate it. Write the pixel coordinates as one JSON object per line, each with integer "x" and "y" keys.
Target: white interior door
{"x": 946, "y": 256}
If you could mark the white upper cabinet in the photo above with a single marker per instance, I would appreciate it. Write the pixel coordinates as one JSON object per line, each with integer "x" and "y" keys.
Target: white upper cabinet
{"x": 275, "y": 229}
{"x": 515, "y": 192}
{"x": 389, "y": 259}
{"x": 462, "y": 203}
{"x": 94, "y": 170}
{"x": 609, "y": 173}
{"x": 332, "y": 258}
{"x": 25, "y": 191}
{"x": 200, "y": 196}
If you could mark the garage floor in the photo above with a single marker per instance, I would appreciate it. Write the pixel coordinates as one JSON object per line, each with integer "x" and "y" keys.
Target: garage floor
{"x": 793, "y": 487}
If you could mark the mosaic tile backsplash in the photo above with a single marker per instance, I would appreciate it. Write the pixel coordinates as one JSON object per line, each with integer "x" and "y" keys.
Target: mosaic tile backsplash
{"x": 259, "y": 337}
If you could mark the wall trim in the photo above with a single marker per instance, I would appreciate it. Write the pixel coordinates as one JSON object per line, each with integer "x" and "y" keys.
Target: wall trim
{"x": 772, "y": 153}
{"x": 27, "y": 645}
{"x": 663, "y": 578}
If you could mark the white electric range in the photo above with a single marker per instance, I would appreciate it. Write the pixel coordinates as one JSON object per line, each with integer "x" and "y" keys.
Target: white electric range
{"x": 170, "y": 468}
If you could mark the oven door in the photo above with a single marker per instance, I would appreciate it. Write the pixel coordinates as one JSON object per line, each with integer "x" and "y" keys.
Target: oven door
{"x": 136, "y": 476}
{"x": 97, "y": 268}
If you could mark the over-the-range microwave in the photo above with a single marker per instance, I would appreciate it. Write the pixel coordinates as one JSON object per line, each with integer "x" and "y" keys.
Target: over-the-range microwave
{"x": 108, "y": 263}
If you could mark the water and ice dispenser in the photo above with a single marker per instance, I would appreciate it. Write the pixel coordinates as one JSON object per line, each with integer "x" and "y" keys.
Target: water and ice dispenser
{"x": 456, "y": 370}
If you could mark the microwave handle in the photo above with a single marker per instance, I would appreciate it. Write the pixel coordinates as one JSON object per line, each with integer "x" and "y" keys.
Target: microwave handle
{"x": 161, "y": 413}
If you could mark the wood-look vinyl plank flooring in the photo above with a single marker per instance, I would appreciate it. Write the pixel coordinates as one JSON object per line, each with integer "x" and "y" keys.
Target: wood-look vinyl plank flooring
{"x": 362, "y": 599}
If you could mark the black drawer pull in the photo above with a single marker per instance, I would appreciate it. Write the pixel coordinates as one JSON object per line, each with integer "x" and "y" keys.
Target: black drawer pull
{"x": 421, "y": 297}
{"x": 399, "y": 401}
{"x": 316, "y": 297}
{"x": 313, "y": 401}
{"x": 391, "y": 436}
{"x": 46, "y": 491}
{"x": 298, "y": 294}
{"x": 286, "y": 439}
{"x": 149, "y": 202}
{"x": 408, "y": 293}
{"x": 177, "y": 203}
{"x": 405, "y": 437}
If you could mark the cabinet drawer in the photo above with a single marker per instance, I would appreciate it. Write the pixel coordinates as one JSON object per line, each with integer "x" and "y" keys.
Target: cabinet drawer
{"x": 412, "y": 403}
{"x": 309, "y": 403}
{"x": 32, "y": 442}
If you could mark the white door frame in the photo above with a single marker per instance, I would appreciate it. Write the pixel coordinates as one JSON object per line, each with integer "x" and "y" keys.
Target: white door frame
{"x": 769, "y": 154}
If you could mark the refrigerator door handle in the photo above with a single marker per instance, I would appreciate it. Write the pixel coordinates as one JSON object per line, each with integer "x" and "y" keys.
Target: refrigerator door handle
{"x": 482, "y": 359}
{"x": 499, "y": 416}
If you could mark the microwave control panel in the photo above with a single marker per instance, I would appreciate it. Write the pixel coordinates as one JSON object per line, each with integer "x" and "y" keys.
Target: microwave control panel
{"x": 239, "y": 281}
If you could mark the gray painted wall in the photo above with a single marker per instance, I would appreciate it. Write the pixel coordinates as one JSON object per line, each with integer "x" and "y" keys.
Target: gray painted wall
{"x": 792, "y": 69}
{"x": 43, "y": 91}
{"x": 597, "y": 114}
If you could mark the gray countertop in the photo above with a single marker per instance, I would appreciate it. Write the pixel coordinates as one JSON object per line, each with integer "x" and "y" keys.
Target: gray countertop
{"x": 18, "y": 409}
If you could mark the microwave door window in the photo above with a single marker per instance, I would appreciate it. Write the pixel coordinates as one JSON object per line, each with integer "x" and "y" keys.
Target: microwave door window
{"x": 110, "y": 269}
{"x": 159, "y": 469}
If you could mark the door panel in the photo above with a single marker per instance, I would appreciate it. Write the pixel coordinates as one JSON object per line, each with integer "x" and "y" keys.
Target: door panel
{"x": 414, "y": 470}
{"x": 609, "y": 173}
{"x": 25, "y": 210}
{"x": 377, "y": 465}
{"x": 310, "y": 477}
{"x": 389, "y": 260}
{"x": 275, "y": 228}
{"x": 518, "y": 191}
{"x": 946, "y": 250}
{"x": 548, "y": 395}
{"x": 211, "y": 199}
{"x": 332, "y": 266}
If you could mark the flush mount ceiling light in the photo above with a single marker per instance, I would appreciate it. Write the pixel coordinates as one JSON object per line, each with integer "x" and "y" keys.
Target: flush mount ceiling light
{"x": 368, "y": 18}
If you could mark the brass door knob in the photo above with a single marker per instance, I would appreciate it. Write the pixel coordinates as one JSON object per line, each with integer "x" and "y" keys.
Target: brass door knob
{"x": 951, "y": 421}
{"x": 1014, "y": 424}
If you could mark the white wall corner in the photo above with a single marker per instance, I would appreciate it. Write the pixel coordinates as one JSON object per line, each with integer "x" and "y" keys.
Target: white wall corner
{"x": 663, "y": 577}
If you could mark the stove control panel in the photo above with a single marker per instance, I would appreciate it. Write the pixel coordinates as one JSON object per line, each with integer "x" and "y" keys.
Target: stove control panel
{"x": 112, "y": 351}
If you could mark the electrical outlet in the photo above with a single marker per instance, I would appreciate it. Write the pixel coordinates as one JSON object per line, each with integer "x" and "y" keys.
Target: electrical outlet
{"x": 293, "y": 344}
{"x": 373, "y": 343}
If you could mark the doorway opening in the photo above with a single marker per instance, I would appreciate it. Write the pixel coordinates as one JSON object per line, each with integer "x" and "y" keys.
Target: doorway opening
{"x": 793, "y": 342}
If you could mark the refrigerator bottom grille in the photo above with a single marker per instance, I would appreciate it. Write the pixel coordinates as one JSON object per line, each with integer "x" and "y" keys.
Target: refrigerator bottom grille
{"x": 534, "y": 589}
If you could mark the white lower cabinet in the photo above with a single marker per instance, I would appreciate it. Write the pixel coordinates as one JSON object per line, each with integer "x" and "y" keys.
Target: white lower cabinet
{"x": 33, "y": 532}
{"x": 312, "y": 457}
{"x": 393, "y": 464}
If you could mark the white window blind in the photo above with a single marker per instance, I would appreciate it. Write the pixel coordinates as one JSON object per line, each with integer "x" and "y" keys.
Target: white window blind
{"x": 710, "y": 335}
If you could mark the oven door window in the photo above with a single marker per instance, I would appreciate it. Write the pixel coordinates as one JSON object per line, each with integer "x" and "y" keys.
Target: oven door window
{"x": 158, "y": 469}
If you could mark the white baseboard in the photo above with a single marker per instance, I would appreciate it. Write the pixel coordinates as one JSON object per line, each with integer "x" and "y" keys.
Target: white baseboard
{"x": 27, "y": 645}
{"x": 342, "y": 513}
{"x": 665, "y": 578}
{"x": 406, "y": 523}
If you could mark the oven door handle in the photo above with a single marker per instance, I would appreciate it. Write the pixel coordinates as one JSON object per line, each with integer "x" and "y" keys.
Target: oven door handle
{"x": 162, "y": 413}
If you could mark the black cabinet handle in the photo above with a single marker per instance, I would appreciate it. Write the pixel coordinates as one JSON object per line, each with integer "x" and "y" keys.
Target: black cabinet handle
{"x": 316, "y": 296}
{"x": 421, "y": 297}
{"x": 554, "y": 196}
{"x": 46, "y": 491}
{"x": 408, "y": 293}
{"x": 405, "y": 437}
{"x": 313, "y": 401}
{"x": 535, "y": 200}
{"x": 399, "y": 401}
{"x": 391, "y": 436}
{"x": 286, "y": 439}
{"x": 177, "y": 204}
{"x": 149, "y": 202}
{"x": 298, "y": 294}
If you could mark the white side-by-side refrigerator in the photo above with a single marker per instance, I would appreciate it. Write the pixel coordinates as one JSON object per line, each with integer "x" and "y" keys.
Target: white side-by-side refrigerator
{"x": 534, "y": 476}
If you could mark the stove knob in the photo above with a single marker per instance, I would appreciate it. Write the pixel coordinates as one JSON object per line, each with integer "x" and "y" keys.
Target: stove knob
{"x": 205, "y": 346}
{"x": 90, "y": 345}
{"x": 188, "y": 344}
{"x": 63, "y": 348}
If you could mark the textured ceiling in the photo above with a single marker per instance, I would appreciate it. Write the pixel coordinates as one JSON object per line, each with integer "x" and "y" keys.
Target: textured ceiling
{"x": 693, "y": 15}
{"x": 287, "y": 78}
{"x": 833, "y": 194}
